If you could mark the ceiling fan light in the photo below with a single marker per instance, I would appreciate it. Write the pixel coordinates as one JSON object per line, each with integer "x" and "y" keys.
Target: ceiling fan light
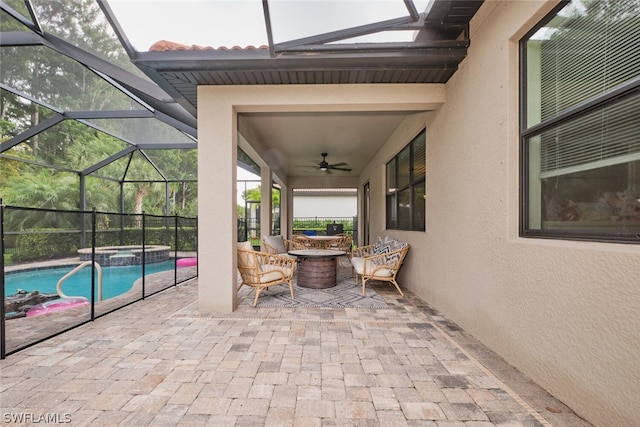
{"x": 324, "y": 169}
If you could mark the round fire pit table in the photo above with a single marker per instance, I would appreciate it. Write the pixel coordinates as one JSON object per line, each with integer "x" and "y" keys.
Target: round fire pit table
{"x": 316, "y": 267}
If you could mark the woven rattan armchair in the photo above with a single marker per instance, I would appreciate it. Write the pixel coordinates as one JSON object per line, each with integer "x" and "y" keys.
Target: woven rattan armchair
{"x": 343, "y": 242}
{"x": 276, "y": 245}
{"x": 382, "y": 267}
{"x": 300, "y": 242}
{"x": 261, "y": 270}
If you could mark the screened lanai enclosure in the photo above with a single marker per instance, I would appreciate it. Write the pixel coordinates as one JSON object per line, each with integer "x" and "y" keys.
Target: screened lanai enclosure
{"x": 98, "y": 172}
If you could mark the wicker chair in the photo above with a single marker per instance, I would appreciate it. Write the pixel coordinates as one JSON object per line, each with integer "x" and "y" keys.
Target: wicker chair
{"x": 343, "y": 243}
{"x": 277, "y": 245}
{"x": 301, "y": 242}
{"x": 382, "y": 267}
{"x": 261, "y": 270}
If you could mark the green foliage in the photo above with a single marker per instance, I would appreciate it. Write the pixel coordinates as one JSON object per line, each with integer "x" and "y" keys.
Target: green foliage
{"x": 8, "y": 259}
{"x": 10, "y": 170}
{"x": 6, "y": 128}
{"x": 42, "y": 188}
{"x": 102, "y": 194}
{"x": 45, "y": 245}
{"x": 253, "y": 195}
{"x": 49, "y": 244}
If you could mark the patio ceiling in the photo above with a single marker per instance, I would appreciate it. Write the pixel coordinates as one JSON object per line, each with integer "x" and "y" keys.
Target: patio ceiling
{"x": 296, "y": 140}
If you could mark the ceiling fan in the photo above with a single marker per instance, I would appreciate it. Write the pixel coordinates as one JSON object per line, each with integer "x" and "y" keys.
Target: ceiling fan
{"x": 326, "y": 167}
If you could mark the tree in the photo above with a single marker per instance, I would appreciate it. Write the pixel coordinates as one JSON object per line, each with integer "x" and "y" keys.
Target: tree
{"x": 45, "y": 188}
{"x": 253, "y": 195}
{"x": 67, "y": 85}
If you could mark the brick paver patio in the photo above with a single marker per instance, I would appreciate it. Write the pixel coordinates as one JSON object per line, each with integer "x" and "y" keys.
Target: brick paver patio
{"x": 161, "y": 363}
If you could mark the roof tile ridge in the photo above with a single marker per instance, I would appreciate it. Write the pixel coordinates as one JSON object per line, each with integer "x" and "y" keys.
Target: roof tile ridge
{"x": 166, "y": 45}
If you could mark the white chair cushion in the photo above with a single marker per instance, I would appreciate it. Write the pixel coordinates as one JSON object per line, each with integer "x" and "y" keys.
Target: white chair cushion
{"x": 358, "y": 265}
{"x": 244, "y": 258}
{"x": 271, "y": 276}
{"x": 245, "y": 246}
{"x": 269, "y": 267}
{"x": 276, "y": 242}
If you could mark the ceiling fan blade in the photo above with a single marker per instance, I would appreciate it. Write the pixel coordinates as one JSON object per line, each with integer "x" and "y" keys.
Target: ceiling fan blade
{"x": 327, "y": 167}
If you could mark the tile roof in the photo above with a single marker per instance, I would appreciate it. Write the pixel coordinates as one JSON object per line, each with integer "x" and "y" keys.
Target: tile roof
{"x": 166, "y": 45}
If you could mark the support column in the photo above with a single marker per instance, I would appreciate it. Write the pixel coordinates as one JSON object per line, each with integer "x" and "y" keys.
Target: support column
{"x": 284, "y": 211}
{"x": 265, "y": 201}
{"x": 290, "y": 210}
{"x": 217, "y": 225}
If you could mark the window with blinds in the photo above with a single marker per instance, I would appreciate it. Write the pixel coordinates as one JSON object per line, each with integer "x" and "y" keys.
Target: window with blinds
{"x": 580, "y": 136}
{"x": 406, "y": 196}
{"x": 606, "y": 136}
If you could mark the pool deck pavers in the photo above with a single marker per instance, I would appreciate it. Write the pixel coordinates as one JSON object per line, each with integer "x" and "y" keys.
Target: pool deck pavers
{"x": 159, "y": 362}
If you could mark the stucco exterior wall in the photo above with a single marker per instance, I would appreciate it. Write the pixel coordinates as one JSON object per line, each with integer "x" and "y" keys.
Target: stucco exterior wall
{"x": 565, "y": 313}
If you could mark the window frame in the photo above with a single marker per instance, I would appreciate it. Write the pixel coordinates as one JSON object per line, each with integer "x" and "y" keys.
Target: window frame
{"x": 615, "y": 96}
{"x": 392, "y": 201}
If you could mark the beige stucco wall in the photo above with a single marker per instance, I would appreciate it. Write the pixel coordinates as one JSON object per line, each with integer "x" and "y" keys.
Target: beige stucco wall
{"x": 565, "y": 313}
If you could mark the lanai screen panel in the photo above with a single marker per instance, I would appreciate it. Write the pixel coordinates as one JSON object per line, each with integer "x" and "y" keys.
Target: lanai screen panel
{"x": 70, "y": 145}
{"x": 44, "y": 74}
{"x": 18, "y": 6}
{"x": 175, "y": 164}
{"x": 296, "y": 20}
{"x": 82, "y": 23}
{"x": 202, "y": 23}
{"x": 143, "y": 131}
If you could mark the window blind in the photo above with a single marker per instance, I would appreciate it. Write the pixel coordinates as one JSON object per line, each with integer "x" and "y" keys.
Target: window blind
{"x": 419, "y": 157}
{"x": 404, "y": 167}
{"x": 587, "y": 51}
{"x": 604, "y": 137}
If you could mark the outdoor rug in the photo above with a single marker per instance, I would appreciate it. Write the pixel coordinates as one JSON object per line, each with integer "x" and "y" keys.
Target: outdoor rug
{"x": 345, "y": 294}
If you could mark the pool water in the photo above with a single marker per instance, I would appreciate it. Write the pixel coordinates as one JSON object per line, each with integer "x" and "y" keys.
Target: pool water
{"x": 115, "y": 280}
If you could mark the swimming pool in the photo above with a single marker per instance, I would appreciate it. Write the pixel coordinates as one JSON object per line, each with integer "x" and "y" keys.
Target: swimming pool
{"x": 115, "y": 280}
